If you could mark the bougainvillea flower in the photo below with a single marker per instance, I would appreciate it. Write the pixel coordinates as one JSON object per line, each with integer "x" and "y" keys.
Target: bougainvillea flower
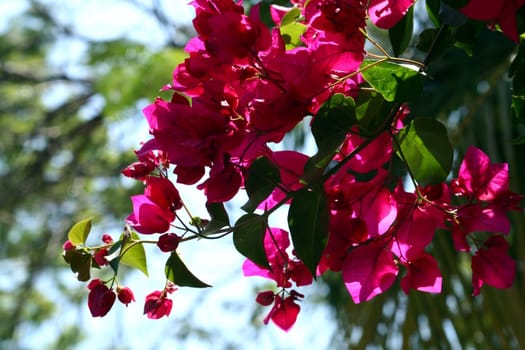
{"x": 291, "y": 165}
{"x": 157, "y": 305}
{"x": 423, "y": 275}
{"x": 162, "y": 191}
{"x": 501, "y": 12}
{"x": 148, "y": 217}
{"x": 479, "y": 178}
{"x": 125, "y": 295}
{"x": 477, "y": 218}
{"x": 168, "y": 242}
{"x": 100, "y": 298}
{"x": 492, "y": 265}
{"x": 284, "y": 311}
{"x": 283, "y": 269}
{"x": 369, "y": 270}
{"x": 100, "y": 257}
{"x": 386, "y": 13}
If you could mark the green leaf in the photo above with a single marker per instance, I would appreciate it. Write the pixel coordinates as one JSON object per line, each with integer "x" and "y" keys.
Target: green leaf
{"x": 79, "y": 233}
{"x": 290, "y": 17}
{"x": 112, "y": 259}
{"x": 372, "y": 110}
{"x": 329, "y": 128}
{"x": 401, "y": 34}
{"x": 179, "y": 274}
{"x": 393, "y": 81}
{"x": 80, "y": 263}
{"x": 425, "y": 148}
{"x": 248, "y": 238}
{"x": 291, "y": 30}
{"x": 133, "y": 254}
{"x": 291, "y": 34}
{"x": 263, "y": 176}
{"x": 219, "y": 218}
{"x": 308, "y": 222}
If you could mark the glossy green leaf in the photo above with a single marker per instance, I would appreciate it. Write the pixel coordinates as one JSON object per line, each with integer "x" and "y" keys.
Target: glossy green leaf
{"x": 177, "y": 272}
{"x": 372, "y": 110}
{"x": 395, "y": 82}
{"x": 219, "y": 218}
{"x": 80, "y": 263}
{"x": 263, "y": 176}
{"x": 248, "y": 238}
{"x": 401, "y": 34}
{"x": 113, "y": 256}
{"x": 133, "y": 254}
{"x": 424, "y": 146}
{"x": 329, "y": 128}
{"x": 308, "y": 223}
{"x": 79, "y": 233}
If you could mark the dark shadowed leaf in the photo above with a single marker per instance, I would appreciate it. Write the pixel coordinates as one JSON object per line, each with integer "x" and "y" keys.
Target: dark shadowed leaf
{"x": 401, "y": 34}
{"x": 308, "y": 222}
{"x": 219, "y": 218}
{"x": 329, "y": 128}
{"x": 263, "y": 176}
{"x": 80, "y": 263}
{"x": 179, "y": 274}
{"x": 248, "y": 238}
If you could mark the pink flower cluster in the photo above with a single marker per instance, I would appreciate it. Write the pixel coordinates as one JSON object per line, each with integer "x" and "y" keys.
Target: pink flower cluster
{"x": 244, "y": 86}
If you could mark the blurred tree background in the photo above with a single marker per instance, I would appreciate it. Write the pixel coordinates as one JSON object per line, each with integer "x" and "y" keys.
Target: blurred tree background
{"x": 69, "y": 109}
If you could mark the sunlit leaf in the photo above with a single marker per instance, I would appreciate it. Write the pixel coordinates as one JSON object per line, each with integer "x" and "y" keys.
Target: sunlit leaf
{"x": 424, "y": 146}
{"x": 133, "y": 254}
{"x": 395, "y": 82}
{"x": 79, "y": 233}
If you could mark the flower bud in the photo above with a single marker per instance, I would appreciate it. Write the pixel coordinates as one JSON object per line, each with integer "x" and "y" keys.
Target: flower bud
{"x": 168, "y": 242}
{"x": 68, "y": 245}
{"x": 265, "y": 298}
{"x": 125, "y": 295}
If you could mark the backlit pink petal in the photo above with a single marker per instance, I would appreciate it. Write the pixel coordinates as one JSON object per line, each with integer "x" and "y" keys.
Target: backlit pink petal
{"x": 148, "y": 217}
{"x": 386, "y": 13}
{"x": 285, "y": 313}
{"x": 476, "y": 218}
{"x": 369, "y": 270}
{"x": 483, "y": 9}
{"x": 249, "y": 268}
{"x": 493, "y": 265}
{"x": 481, "y": 178}
{"x": 423, "y": 275}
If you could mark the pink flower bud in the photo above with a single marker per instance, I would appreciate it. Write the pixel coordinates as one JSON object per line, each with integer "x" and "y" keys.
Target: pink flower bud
{"x": 100, "y": 298}
{"x": 68, "y": 245}
{"x": 168, "y": 242}
{"x": 107, "y": 238}
{"x": 100, "y": 257}
{"x": 125, "y": 295}
{"x": 265, "y": 298}
{"x": 157, "y": 305}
